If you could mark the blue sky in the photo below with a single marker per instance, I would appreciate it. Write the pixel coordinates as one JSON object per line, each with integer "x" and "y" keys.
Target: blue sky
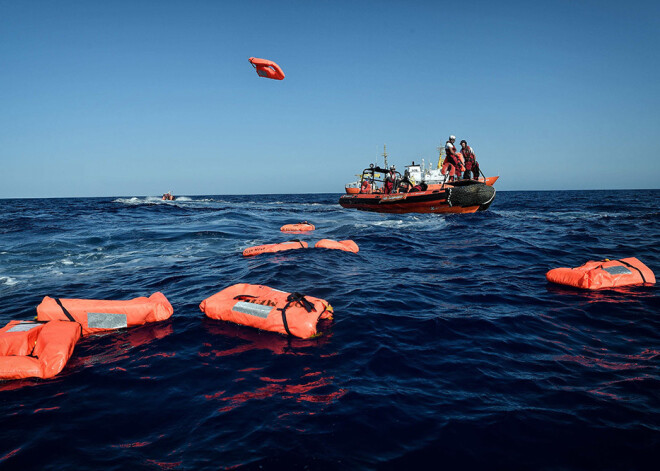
{"x": 109, "y": 98}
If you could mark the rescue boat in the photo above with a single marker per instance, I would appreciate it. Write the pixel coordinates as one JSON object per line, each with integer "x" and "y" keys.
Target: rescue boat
{"x": 418, "y": 190}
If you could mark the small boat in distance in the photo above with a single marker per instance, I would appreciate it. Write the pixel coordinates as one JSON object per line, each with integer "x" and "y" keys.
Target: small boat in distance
{"x": 168, "y": 196}
{"x": 418, "y": 190}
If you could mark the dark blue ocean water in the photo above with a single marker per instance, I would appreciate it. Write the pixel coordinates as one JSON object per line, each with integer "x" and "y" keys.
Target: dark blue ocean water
{"x": 449, "y": 350}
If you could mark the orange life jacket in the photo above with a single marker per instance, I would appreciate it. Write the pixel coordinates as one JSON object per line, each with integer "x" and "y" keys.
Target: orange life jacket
{"x": 365, "y": 187}
{"x": 267, "y": 69}
{"x": 272, "y": 248}
{"x": 603, "y": 274}
{"x": 33, "y": 349}
{"x": 345, "y": 245}
{"x": 460, "y": 162}
{"x": 300, "y": 227}
{"x": 100, "y": 315}
{"x": 268, "y": 309}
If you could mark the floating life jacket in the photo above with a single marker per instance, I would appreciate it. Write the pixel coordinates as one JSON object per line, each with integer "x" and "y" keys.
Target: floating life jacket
{"x": 100, "y": 315}
{"x": 36, "y": 349}
{"x": 272, "y": 248}
{"x": 345, "y": 245}
{"x": 300, "y": 227}
{"x": 268, "y": 309}
{"x": 603, "y": 274}
{"x": 266, "y": 68}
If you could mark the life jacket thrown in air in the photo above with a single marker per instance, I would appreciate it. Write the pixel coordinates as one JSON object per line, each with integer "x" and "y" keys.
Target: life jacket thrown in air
{"x": 100, "y": 315}
{"x": 603, "y": 274}
{"x": 273, "y": 248}
{"x": 35, "y": 349}
{"x": 268, "y": 309}
{"x": 266, "y": 68}
{"x": 300, "y": 227}
{"x": 345, "y": 245}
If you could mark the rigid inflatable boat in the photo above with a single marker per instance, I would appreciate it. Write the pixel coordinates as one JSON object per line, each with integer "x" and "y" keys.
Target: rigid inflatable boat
{"x": 603, "y": 274}
{"x": 273, "y": 248}
{"x": 36, "y": 349}
{"x": 100, "y": 315}
{"x": 418, "y": 190}
{"x": 268, "y": 309}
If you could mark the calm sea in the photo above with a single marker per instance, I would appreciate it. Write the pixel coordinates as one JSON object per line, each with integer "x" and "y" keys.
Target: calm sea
{"x": 449, "y": 350}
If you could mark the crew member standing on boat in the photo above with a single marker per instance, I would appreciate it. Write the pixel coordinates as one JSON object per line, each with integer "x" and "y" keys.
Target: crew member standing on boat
{"x": 450, "y": 164}
{"x": 390, "y": 181}
{"x": 471, "y": 164}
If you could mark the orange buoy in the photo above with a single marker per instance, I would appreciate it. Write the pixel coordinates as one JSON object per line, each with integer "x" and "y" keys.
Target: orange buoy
{"x": 345, "y": 245}
{"x": 603, "y": 274}
{"x": 300, "y": 227}
{"x": 100, "y": 315}
{"x": 266, "y": 68}
{"x": 268, "y": 309}
{"x": 35, "y": 349}
{"x": 272, "y": 248}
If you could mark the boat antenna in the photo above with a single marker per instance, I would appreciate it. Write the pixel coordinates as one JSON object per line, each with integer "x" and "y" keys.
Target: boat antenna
{"x": 385, "y": 154}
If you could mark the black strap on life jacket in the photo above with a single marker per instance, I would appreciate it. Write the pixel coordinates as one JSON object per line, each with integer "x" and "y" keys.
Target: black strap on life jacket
{"x": 241, "y": 297}
{"x": 632, "y": 266}
{"x": 65, "y": 311}
{"x": 68, "y": 314}
{"x": 299, "y": 241}
{"x": 291, "y": 299}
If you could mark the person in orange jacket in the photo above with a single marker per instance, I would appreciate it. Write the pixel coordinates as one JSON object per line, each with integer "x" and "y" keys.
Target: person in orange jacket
{"x": 471, "y": 164}
{"x": 451, "y": 163}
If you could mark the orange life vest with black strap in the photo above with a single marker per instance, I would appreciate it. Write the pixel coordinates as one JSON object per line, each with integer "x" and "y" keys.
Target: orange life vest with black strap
{"x": 603, "y": 274}
{"x": 99, "y": 315}
{"x": 460, "y": 162}
{"x": 268, "y": 309}
{"x": 36, "y": 349}
{"x": 469, "y": 157}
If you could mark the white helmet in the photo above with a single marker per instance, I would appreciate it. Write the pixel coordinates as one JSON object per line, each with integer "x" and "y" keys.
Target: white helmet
{"x": 452, "y": 137}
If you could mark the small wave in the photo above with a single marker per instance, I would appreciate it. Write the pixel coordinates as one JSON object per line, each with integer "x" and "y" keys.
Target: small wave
{"x": 147, "y": 200}
{"x": 435, "y": 223}
{"x": 133, "y": 200}
{"x": 564, "y": 216}
{"x": 8, "y": 280}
